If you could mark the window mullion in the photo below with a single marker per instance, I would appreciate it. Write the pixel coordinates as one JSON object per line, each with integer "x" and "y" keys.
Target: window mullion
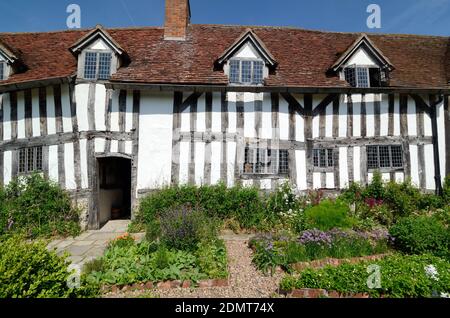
{"x": 368, "y": 77}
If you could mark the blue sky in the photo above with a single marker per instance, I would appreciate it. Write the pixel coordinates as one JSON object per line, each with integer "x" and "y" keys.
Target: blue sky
{"x": 398, "y": 16}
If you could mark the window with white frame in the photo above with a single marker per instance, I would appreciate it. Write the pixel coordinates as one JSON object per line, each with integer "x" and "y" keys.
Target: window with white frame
{"x": 2, "y": 70}
{"x": 97, "y": 65}
{"x": 384, "y": 157}
{"x": 30, "y": 160}
{"x": 323, "y": 158}
{"x": 364, "y": 76}
{"x": 266, "y": 161}
{"x": 244, "y": 71}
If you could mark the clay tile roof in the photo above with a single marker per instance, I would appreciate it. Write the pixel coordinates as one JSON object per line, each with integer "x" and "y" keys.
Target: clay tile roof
{"x": 304, "y": 57}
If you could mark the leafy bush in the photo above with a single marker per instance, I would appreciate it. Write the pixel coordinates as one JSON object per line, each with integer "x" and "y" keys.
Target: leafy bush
{"x": 244, "y": 204}
{"x": 36, "y": 207}
{"x": 29, "y": 270}
{"x": 401, "y": 277}
{"x": 272, "y": 251}
{"x": 212, "y": 258}
{"x": 421, "y": 234}
{"x": 183, "y": 228}
{"x": 328, "y": 215}
{"x": 148, "y": 261}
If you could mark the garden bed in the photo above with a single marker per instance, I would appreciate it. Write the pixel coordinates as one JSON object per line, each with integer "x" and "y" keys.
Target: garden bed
{"x": 396, "y": 276}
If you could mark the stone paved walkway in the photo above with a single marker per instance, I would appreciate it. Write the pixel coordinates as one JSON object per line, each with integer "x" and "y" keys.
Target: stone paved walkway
{"x": 91, "y": 244}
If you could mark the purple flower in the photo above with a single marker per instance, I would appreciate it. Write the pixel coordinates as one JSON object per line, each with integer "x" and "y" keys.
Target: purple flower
{"x": 315, "y": 236}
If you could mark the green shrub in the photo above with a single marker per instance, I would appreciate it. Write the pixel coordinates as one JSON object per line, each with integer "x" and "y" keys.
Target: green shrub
{"x": 29, "y": 270}
{"x": 212, "y": 258}
{"x": 244, "y": 204}
{"x": 36, "y": 207}
{"x": 148, "y": 261}
{"x": 421, "y": 234}
{"x": 328, "y": 215}
{"x": 401, "y": 277}
{"x": 183, "y": 228}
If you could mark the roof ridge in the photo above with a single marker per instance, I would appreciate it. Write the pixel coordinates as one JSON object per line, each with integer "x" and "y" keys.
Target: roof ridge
{"x": 368, "y": 33}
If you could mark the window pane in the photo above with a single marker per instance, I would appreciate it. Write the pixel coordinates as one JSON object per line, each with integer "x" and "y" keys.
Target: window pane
{"x": 248, "y": 164}
{"x": 234, "y": 71}
{"x": 39, "y": 158}
{"x": 246, "y": 72}
{"x": 104, "y": 67}
{"x": 361, "y": 74}
{"x": 372, "y": 157}
{"x": 375, "y": 77}
{"x": 284, "y": 163}
{"x": 258, "y": 69}
{"x": 330, "y": 158}
{"x": 316, "y": 157}
{"x": 397, "y": 156}
{"x": 350, "y": 76}
{"x": 2, "y": 70}
{"x": 30, "y": 159}
{"x": 90, "y": 65}
{"x": 384, "y": 157}
{"x": 22, "y": 160}
{"x": 323, "y": 158}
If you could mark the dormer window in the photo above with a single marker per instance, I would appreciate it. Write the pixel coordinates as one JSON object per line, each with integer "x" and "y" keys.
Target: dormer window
{"x": 247, "y": 61}
{"x": 97, "y": 65}
{"x": 99, "y": 56}
{"x": 249, "y": 72}
{"x": 363, "y": 65}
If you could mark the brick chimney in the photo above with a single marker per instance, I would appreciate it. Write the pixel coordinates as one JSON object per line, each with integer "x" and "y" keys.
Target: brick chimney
{"x": 178, "y": 17}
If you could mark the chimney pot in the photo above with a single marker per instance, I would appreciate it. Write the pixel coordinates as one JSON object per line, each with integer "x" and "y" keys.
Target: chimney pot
{"x": 178, "y": 17}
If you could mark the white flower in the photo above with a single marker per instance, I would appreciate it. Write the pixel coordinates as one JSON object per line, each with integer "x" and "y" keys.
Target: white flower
{"x": 432, "y": 272}
{"x": 285, "y": 196}
{"x": 445, "y": 295}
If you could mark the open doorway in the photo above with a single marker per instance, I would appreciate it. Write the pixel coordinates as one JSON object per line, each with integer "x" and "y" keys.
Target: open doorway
{"x": 114, "y": 194}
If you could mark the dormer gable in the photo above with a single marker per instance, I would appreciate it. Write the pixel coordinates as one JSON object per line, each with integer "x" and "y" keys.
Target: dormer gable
{"x": 363, "y": 65}
{"x": 99, "y": 55}
{"x": 9, "y": 62}
{"x": 247, "y": 61}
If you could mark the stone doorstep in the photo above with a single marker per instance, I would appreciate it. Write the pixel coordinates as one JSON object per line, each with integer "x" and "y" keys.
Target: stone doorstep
{"x": 322, "y": 293}
{"x": 209, "y": 283}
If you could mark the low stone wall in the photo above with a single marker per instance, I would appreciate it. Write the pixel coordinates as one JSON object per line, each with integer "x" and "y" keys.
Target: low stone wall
{"x": 208, "y": 283}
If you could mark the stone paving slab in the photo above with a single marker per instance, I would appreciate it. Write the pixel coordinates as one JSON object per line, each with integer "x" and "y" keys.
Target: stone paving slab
{"x": 91, "y": 244}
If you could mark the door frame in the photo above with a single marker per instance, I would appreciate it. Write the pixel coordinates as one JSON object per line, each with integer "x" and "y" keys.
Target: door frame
{"x": 94, "y": 211}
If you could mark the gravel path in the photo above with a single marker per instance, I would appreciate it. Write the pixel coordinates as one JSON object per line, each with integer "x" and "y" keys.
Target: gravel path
{"x": 245, "y": 280}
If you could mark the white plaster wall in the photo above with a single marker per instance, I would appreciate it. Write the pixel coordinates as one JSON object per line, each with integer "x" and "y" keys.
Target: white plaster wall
{"x": 51, "y": 118}
{"x": 300, "y": 158}
{"x": 66, "y": 112}
{"x": 216, "y": 155}
{"x": 356, "y": 118}
{"x": 129, "y": 112}
{"x": 249, "y": 115}
{"x": 360, "y": 57}
{"x": 357, "y": 164}
{"x": 35, "y": 121}
{"x": 53, "y": 167}
{"x": 329, "y": 121}
{"x": 100, "y": 107}
{"x": 317, "y": 184}
{"x": 84, "y": 163}
{"x": 284, "y": 119}
{"x": 343, "y": 113}
{"x": 155, "y": 140}
{"x": 429, "y": 167}
{"x": 184, "y": 162}
{"x": 7, "y": 166}
{"x": 81, "y": 97}
{"x": 412, "y": 120}
{"x": 329, "y": 180}
{"x": 343, "y": 167}
{"x": 216, "y": 121}
{"x": 414, "y": 160}
{"x": 114, "y": 146}
{"x": 231, "y": 162}
{"x": 397, "y": 116}
{"x": 100, "y": 145}
{"x": 69, "y": 168}
{"x": 20, "y": 115}
{"x": 115, "y": 111}
{"x": 266, "y": 129}
{"x": 384, "y": 115}
{"x": 370, "y": 118}
{"x": 199, "y": 163}
{"x": 6, "y": 117}
{"x": 201, "y": 115}
{"x": 441, "y": 138}
{"x": 232, "y": 115}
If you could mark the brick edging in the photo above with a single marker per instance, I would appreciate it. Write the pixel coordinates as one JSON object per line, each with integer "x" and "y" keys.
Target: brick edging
{"x": 317, "y": 264}
{"x": 174, "y": 284}
{"x": 322, "y": 293}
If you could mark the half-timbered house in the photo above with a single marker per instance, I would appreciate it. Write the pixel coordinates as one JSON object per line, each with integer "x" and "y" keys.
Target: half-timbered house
{"x": 111, "y": 114}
